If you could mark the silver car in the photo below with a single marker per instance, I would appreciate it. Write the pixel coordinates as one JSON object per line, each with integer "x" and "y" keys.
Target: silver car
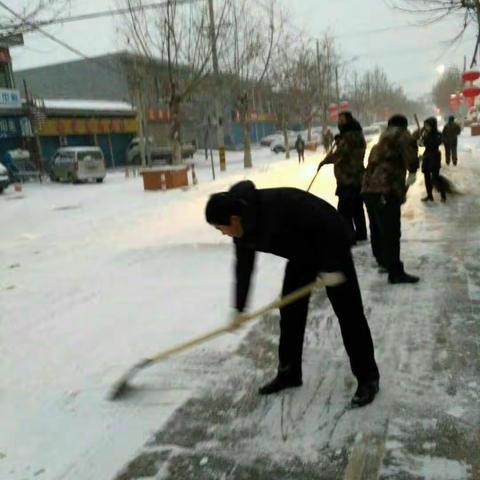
{"x": 4, "y": 178}
{"x": 78, "y": 164}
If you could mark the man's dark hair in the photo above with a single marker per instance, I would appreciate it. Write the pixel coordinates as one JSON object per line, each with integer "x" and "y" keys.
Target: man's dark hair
{"x": 451, "y": 118}
{"x": 432, "y": 121}
{"x": 221, "y": 206}
{"x": 399, "y": 121}
{"x": 352, "y": 125}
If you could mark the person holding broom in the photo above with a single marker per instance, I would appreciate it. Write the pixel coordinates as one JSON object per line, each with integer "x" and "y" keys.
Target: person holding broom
{"x": 313, "y": 237}
{"x": 431, "y": 139}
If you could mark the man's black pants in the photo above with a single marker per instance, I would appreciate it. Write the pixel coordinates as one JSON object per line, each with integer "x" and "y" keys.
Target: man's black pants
{"x": 346, "y": 301}
{"x": 385, "y": 230}
{"x": 350, "y": 206}
{"x": 432, "y": 178}
{"x": 451, "y": 152}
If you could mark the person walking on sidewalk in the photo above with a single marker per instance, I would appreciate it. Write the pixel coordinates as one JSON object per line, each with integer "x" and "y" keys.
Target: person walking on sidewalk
{"x": 327, "y": 138}
{"x": 450, "y": 134}
{"x": 312, "y": 236}
{"x": 300, "y": 148}
{"x": 348, "y": 160}
{"x": 431, "y": 139}
{"x": 384, "y": 190}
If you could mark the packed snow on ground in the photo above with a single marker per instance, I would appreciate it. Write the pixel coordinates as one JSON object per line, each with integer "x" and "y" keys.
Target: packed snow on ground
{"x": 96, "y": 277}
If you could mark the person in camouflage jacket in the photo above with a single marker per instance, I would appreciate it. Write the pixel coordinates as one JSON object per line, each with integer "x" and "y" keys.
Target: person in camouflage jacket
{"x": 384, "y": 190}
{"x": 347, "y": 158}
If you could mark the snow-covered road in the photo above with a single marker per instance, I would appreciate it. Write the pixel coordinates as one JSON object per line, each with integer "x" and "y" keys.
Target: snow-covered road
{"x": 95, "y": 277}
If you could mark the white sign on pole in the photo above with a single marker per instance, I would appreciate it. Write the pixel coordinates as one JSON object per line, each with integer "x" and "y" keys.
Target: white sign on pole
{"x": 10, "y": 98}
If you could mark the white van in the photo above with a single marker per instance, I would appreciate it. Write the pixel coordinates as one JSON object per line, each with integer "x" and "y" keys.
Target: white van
{"x": 78, "y": 164}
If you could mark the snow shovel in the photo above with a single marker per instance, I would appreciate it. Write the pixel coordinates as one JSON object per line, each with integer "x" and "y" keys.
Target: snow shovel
{"x": 121, "y": 388}
{"x": 331, "y": 149}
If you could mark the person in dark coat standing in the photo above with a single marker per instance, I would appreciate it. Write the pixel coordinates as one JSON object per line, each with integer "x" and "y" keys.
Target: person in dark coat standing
{"x": 450, "y": 134}
{"x": 300, "y": 148}
{"x": 327, "y": 138}
{"x": 431, "y": 139}
{"x": 384, "y": 190}
{"x": 348, "y": 159}
{"x": 312, "y": 236}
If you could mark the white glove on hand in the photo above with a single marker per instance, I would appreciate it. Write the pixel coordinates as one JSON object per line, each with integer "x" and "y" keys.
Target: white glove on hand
{"x": 411, "y": 179}
{"x": 236, "y": 320}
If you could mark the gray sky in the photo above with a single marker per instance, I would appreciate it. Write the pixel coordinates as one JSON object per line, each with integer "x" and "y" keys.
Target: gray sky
{"x": 408, "y": 55}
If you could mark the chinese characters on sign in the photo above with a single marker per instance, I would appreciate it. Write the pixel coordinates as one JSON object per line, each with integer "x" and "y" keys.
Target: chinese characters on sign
{"x": 10, "y": 98}
{"x": 87, "y": 126}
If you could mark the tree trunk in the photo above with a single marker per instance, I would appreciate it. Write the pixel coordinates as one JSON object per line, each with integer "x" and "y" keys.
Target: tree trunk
{"x": 285, "y": 141}
{"x": 309, "y": 134}
{"x": 175, "y": 128}
{"x": 247, "y": 149}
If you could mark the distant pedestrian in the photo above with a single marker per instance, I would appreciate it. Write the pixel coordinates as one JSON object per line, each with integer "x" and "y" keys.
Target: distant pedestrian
{"x": 327, "y": 138}
{"x": 300, "y": 148}
{"x": 450, "y": 134}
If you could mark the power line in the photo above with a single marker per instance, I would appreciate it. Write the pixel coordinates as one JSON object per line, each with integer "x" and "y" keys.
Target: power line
{"x": 17, "y": 28}
{"x": 57, "y": 40}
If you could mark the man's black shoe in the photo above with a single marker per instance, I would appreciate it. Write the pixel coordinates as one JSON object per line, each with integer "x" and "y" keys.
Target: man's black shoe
{"x": 402, "y": 278}
{"x": 279, "y": 383}
{"x": 365, "y": 393}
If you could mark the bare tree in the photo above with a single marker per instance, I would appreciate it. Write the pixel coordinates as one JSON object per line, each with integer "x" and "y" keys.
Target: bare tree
{"x": 176, "y": 43}
{"x": 373, "y": 96}
{"x": 254, "y": 36}
{"x": 433, "y": 11}
{"x": 450, "y": 82}
{"x": 280, "y": 80}
{"x": 24, "y": 20}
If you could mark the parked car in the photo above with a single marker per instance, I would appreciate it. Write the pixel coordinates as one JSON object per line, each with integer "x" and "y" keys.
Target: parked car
{"x": 78, "y": 164}
{"x": 4, "y": 178}
{"x": 157, "y": 152}
{"x": 267, "y": 140}
{"x": 278, "y": 145}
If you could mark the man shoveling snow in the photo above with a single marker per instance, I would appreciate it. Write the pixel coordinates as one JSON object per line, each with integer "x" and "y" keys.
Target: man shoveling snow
{"x": 312, "y": 236}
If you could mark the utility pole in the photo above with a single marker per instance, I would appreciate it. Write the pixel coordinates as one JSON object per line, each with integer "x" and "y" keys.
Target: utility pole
{"x": 218, "y": 81}
{"x": 321, "y": 92}
{"x": 337, "y": 88}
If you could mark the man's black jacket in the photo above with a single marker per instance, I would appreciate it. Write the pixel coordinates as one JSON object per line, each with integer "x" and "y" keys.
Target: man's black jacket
{"x": 290, "y": 223}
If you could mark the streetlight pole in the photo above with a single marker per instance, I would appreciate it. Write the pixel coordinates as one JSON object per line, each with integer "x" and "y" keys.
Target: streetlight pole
{"x": 218, "y": 107}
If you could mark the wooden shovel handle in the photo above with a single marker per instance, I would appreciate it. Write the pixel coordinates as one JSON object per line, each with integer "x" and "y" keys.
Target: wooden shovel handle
{"x": 325, "y": 280}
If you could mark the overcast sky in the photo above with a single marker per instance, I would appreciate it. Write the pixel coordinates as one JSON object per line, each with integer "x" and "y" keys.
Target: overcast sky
{"x": 408, "y": 54}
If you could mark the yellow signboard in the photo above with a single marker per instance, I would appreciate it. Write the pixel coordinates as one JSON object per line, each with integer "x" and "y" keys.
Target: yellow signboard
{"x": 87, "y": 126}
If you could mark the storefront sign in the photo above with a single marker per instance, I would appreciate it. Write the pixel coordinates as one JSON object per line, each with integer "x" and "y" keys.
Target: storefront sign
{"x": 87, "y": 126}
{"x": 10, "y": 98}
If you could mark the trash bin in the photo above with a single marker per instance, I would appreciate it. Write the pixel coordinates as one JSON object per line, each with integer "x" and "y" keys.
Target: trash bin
{"x": 475, "y": 128}
{"x": 165, "y": 178}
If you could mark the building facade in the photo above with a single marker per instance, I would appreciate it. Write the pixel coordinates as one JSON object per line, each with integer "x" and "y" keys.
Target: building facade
{"x": 15, "y": 127}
